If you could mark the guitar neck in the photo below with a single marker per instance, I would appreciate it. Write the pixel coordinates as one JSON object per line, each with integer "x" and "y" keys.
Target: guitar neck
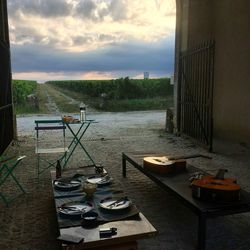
{"x": 188, "y": 156}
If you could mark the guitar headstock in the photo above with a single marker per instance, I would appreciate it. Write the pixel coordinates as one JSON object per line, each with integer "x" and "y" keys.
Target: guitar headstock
{"x": 220, "y": 174}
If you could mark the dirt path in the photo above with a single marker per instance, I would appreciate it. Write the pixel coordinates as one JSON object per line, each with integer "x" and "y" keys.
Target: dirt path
{"x": 61, "y": 101}
{"x": 51, "y": 105}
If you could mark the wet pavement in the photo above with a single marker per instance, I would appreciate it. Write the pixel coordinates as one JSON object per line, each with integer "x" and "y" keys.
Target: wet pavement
{"x": 109, "y": 124}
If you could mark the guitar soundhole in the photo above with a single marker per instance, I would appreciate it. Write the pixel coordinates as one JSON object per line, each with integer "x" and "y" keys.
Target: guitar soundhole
{"x": 158, "y": 160}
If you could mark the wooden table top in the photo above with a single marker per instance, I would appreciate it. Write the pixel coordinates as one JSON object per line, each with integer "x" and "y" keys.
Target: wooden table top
{"x": 127, "y": 230}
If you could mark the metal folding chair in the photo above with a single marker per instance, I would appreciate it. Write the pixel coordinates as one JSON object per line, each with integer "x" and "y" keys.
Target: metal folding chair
{"x": 7, "y": 167}
{"x": 46, "y": 146}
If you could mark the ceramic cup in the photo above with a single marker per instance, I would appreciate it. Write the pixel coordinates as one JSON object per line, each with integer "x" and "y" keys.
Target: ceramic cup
{"x": 89, "y": 219}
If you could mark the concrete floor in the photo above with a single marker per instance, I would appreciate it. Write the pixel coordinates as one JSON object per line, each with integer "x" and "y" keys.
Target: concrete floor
{"x": 30, "y": 221}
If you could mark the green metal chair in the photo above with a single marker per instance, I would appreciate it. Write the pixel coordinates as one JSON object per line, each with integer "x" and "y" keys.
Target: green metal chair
{"x": 7, "y": 167}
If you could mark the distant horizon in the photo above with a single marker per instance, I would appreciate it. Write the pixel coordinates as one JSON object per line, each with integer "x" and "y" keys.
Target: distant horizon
{"x": 40, "y": 82}
{"x": 91, "y": 39}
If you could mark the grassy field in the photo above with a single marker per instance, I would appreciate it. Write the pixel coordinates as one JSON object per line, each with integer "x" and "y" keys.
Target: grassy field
{"x": 121, "y": 94}
{"x": 53, "y": 98}
{"x": 159, "y": 103}
{"x": 114, "y": 105}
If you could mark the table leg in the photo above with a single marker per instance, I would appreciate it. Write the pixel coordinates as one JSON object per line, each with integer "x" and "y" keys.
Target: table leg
{"x": 124, "y": 172}
{"x": 77, "y": 141}
{"x": 202, "y": 231}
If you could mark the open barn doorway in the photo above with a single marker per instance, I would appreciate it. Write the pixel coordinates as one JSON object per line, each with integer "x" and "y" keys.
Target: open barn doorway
{"x": 128, "y": 41}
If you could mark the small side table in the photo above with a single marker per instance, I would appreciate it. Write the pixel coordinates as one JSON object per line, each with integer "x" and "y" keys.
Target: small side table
{"x": 77, "y": 136}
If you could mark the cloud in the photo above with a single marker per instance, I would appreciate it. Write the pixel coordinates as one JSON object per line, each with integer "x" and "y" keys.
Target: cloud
{"x": 92, "y": 36}
{"x": 45, "y": 8}
{"x": 97, "y": 10}
{"x": 62, "y": 75}
{"x": 119, "y": 10}
{"x": 86, "y": 9}
{"x": 81, "y": 40}
{"x": 133, "y": 55}
{"x": 120, "y": 20}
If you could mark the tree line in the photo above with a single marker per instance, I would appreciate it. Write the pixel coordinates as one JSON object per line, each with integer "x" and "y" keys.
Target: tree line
{"x": 119, "y": 89}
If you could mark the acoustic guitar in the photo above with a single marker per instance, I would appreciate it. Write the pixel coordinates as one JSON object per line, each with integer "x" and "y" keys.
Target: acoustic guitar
{"x": 216, "y": 188}
{"x": 168, "y": 164}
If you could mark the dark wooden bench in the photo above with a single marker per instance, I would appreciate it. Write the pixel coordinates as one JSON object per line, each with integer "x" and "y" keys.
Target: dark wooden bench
{"x": 179, "y": 186}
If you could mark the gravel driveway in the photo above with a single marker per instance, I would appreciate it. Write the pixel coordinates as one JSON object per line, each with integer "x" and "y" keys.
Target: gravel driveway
{"x": 109, "y": 124}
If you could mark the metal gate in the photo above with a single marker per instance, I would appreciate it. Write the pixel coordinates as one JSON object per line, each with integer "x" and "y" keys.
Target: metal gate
{"x": 6, "y": 106}
{"x": 195, "y": 93}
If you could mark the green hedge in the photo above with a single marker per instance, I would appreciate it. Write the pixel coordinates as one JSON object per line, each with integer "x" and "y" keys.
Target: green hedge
{"x": 21, "y": 89}
{"x": 122, "y": 88}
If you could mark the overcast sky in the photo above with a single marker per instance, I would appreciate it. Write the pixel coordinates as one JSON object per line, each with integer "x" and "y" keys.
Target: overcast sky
{"x": 91, "y": 39}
